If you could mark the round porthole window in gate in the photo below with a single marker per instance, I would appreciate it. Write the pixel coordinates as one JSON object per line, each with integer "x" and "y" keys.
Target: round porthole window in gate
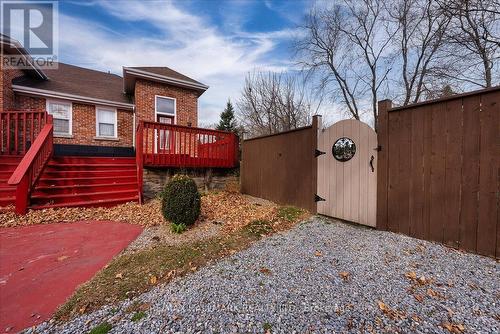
{"x": 344, "y": 149}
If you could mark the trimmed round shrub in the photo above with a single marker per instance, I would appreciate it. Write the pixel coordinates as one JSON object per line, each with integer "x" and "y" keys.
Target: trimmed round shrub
{"x": 181, "y": 204}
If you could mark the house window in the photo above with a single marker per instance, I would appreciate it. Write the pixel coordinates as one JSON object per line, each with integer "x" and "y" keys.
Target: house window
{"x": 62, "y": 116}
{"x": 106, "y": 122}
{"x": 165, "y": 106}
{"x": 164, "y": 113}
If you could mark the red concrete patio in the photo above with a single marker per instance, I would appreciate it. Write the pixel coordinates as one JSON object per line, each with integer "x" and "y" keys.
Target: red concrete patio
{"x": 41, "y": 266}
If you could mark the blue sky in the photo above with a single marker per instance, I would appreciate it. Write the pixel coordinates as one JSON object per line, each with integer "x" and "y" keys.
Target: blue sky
{"x": 215, "y": 42}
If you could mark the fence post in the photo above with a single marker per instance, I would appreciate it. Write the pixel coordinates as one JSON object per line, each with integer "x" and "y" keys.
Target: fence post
{"x": 139, "y": 158}
{"x": 382, "y": 128}
{"x": 316, "y": 127}
{"x": 22, "y": 195}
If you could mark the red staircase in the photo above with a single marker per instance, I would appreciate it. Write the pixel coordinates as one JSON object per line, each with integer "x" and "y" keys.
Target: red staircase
{"x": 86, "y": 182}
{"x": 7, "y": 192}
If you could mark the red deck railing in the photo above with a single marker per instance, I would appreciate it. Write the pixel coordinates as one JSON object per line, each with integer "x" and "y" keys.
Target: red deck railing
{"x": 18, "y": 130}
{"x": 166, "y": 145}
{"x": 31, "y": 166}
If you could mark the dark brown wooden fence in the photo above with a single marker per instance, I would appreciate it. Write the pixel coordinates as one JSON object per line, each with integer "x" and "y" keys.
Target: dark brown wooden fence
{"x": 439, "y": 170}
{"x": 282, "y": 167}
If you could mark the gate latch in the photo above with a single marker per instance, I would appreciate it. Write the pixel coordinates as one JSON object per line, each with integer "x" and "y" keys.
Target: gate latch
{"x": 317, "y": 153}
{"x": 318, "y": 198}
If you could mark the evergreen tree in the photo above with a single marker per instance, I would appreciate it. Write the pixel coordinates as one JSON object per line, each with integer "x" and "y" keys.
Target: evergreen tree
{"x": 227, "y": 119}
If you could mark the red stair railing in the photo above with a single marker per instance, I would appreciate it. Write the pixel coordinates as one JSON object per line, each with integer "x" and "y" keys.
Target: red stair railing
{"x": 29, "y": 169}
{"x": 18, "y": 130}
{"x": 167, "y": 145}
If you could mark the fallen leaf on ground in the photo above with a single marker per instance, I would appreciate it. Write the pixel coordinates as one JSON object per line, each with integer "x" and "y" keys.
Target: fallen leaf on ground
{"x": 453, "y": 327}
{"x": 265, "y": 271}
{"x": 411, "y": 275}
{"x": 391, "y": 313}
{"x": 344, "y": 275}
{"x": 434, "y": 293}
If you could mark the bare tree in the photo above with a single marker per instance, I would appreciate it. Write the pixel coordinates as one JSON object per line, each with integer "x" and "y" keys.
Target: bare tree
{"x": 420, "y": 29}
{"x": 347, "y": 44}
{"x": 474, "y": 40}
{"x": 273, "y": 102}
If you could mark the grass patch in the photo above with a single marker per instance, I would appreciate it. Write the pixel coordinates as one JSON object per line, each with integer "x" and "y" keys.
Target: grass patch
{"x": 101, "y": 329}
{"x": 178, "y": 228}
{"x": 138, "y": 316}
{"x": 258, "y": 228}
{"x": 290, "y": 213}
{"x": 267, "y": 327}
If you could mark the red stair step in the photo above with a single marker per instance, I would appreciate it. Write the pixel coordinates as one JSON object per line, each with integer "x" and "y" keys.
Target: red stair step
{"x": 89, "y": 204}
{"x": 82, "y": 197}
{"x": 83, "y": 188}
{"x": 88, "y": 173}
{"x": 44, "y": 181}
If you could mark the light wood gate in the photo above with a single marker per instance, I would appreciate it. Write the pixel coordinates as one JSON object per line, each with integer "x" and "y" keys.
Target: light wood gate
{"x": 347, "y": 172}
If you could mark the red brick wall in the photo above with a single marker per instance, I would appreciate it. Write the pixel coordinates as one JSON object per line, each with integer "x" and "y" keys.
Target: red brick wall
{"x": 6, "y": 93}
{"x": 186, "y": 101}
{"x": 84, "y": 126}
{"x": 23, "y": 102}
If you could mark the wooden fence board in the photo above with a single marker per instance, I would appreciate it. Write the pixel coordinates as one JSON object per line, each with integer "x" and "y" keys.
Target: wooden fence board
{"x": 453, "y": 172}
{"x": 438, "y": 160}
{"x": 404, "y": 173}
{"x": 488, "y": 173}
{"x": 382, "y": 163}
{"x": 470, "y": 173}
{"x": 393, "y": 173}
{"x": 427, "y": 110}
{"x": 417, "y": 175}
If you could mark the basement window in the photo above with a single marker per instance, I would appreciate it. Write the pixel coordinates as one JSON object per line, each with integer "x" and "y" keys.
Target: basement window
{"x": 106, "y": 124}
{"x": 61, "y": 112}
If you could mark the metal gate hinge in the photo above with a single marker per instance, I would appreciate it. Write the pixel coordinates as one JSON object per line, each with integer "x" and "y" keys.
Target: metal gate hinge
{"x": 317, "y": 198}
{"x": 317, "y": 153}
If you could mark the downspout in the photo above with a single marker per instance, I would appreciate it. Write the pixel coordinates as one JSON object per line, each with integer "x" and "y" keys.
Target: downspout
{"x": 133, "y": 126}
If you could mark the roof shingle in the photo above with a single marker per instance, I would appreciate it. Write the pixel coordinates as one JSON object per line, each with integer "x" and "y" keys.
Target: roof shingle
{"x": 70, "y": 79}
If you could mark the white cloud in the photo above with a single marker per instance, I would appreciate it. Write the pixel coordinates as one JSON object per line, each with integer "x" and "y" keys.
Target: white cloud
{"x": 183, "y": 41}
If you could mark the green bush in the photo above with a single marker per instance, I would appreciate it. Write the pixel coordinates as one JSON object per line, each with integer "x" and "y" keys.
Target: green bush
{"x": 181, "y": 204}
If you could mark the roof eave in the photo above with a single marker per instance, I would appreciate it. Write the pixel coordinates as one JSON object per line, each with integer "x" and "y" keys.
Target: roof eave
{"x": 128, "y": 85}
{"x": 72, "y": 97}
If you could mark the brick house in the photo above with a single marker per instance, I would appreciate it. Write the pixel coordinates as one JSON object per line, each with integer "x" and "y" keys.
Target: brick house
{"x": 85, "y": 137}
{"x": 96, "y": 112}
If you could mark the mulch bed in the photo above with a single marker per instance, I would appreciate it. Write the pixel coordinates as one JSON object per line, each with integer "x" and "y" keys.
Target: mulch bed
{"x": 231, "y": 209}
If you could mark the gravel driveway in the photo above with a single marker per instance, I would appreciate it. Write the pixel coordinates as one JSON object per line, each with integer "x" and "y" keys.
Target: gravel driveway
{"x": 323, "y": 276}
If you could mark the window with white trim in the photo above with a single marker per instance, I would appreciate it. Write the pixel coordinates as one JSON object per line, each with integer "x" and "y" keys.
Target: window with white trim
{"x": 165, "y": 105}
{"x": 106, "y": 122}
{"x": 61, "y": 113}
